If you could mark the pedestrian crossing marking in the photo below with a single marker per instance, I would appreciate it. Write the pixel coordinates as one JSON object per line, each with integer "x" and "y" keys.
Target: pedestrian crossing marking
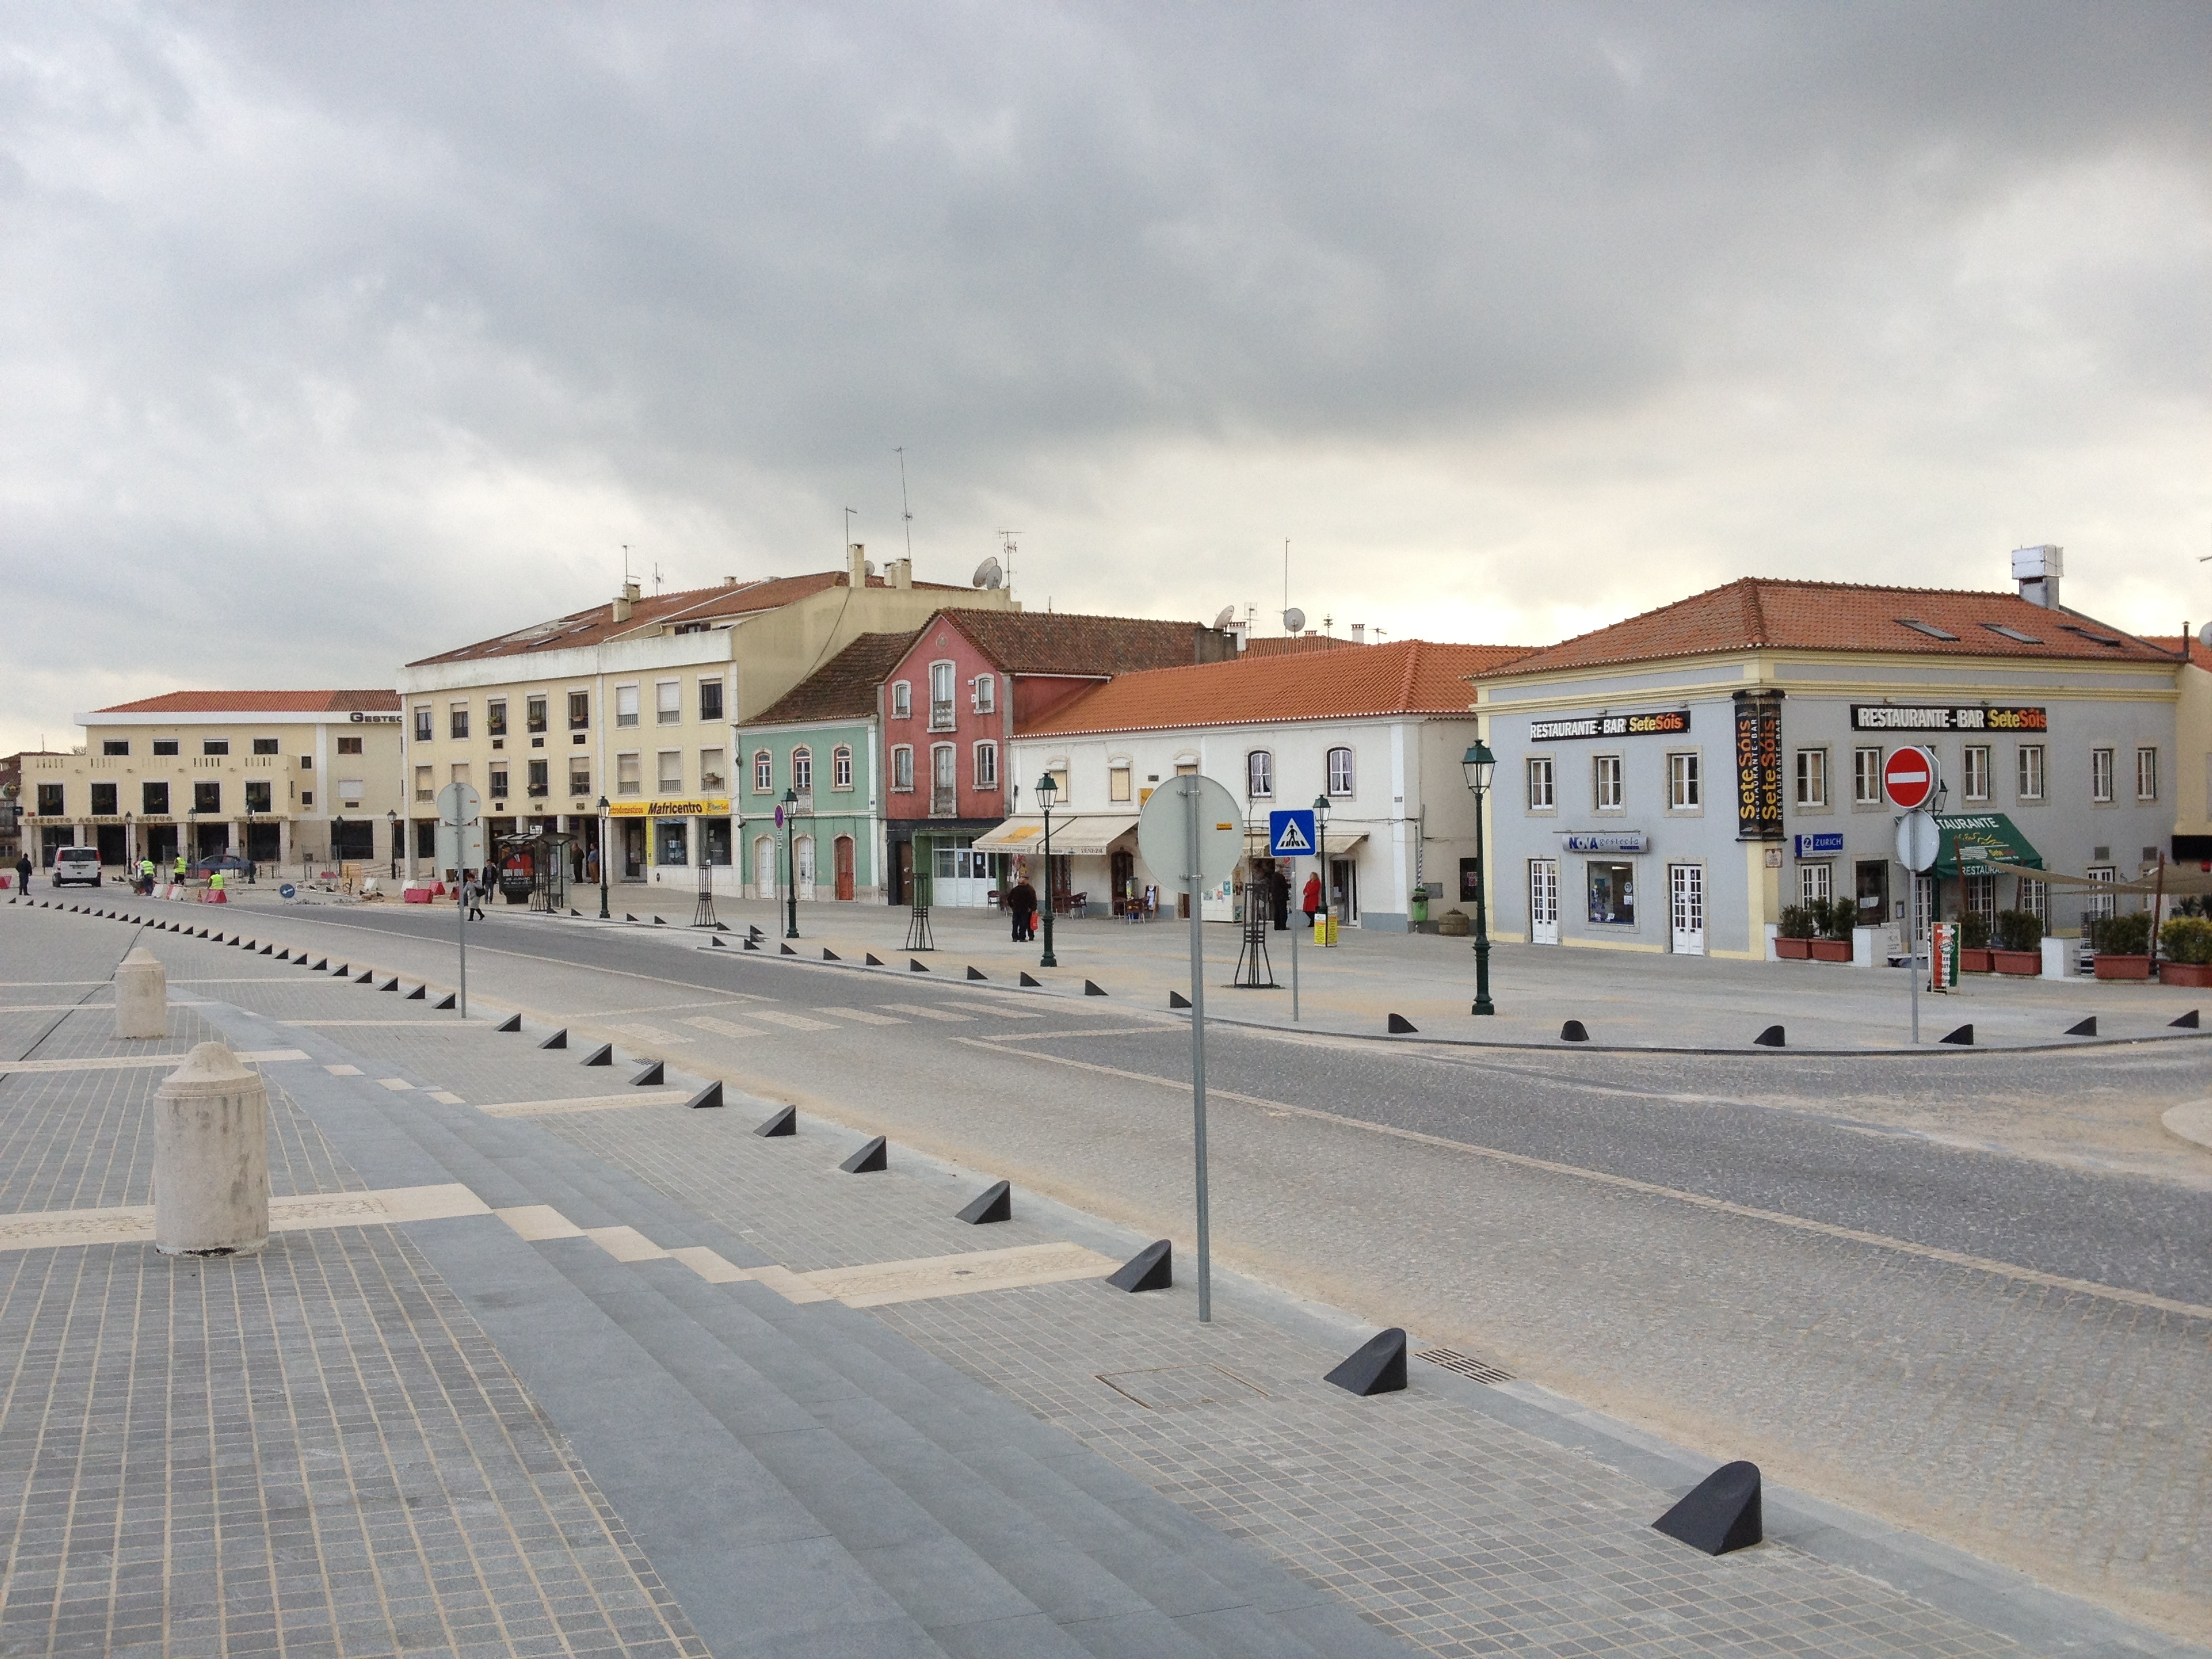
{"x": 864, "y": 1016}
{"x": 920, "y": 1012}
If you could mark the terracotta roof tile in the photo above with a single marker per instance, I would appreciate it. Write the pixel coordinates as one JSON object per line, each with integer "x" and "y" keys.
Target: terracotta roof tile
{"x": 1063, "y": 642}
{"x": 1291, "y": 644}
{"x": 844, "y": 688}
{"x": 1404, "y": 677}
{"x": 260, "y": 702}
{"x": 2198, "y": 652}
{"x": 1755, "y": 613}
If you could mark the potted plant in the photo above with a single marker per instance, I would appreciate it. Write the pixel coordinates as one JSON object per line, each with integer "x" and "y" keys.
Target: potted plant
{"x": 2123, "y": 945}
{"x": 1974, "y": 954}
{"x": 1832, "y": 943}
{"x": 1794, "y": 943}
{"x": 2019, "y": 943}
{"x": 2185, "y": 947}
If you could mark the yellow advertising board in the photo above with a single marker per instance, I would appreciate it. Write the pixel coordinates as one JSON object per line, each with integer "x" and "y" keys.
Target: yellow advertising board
{"x": 711, "y": 806}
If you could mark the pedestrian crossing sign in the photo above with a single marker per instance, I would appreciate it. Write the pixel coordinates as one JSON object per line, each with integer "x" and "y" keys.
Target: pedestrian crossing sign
{"x": 1292, "y": 834}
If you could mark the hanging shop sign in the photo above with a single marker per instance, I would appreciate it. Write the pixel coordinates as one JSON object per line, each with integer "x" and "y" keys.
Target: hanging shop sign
{"x": 1604, "y": 841}
{"x": 1947, "y": 717}
{"x": 1825, "y": 844}
{"x": 709, "y": 806}
{"x": 1758, "y": 768}
{"x": 1665, "y": 722}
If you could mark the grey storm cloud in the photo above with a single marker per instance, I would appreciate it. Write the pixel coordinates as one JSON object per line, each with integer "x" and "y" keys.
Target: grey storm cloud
{"x": 334, "y": 335}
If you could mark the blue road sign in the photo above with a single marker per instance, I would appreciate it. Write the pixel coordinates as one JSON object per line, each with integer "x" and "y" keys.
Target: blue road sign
{"x": 287, "y": 891}
{"x": 1292, "y": 833}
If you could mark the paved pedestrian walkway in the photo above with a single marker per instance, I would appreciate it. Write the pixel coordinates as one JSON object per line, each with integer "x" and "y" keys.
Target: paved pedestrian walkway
{"x": 643, "y": 1380}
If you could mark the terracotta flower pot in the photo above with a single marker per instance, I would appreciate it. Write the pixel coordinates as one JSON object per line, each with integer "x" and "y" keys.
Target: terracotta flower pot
{"x": 1793, "y": 949}
{"x": 1830, "y": 949}
{"x": 2196, "y": 975}
{"x": 1977, "y": 962}
{"x": 2027, "y": 964}
{"x": 2122, "y": 967}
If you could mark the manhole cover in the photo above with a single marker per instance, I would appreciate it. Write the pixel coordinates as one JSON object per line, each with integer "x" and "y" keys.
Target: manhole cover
{"x": 1175, "y": 1387}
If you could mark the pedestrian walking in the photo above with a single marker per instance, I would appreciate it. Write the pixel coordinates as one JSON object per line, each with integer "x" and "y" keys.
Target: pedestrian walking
{"x": 1022, "y": 903}
{"x": 1311, "y": 904}
{"x": 1279, "y": 898}
{"x": 23, "y": 873}
{"x": 478, "y": 887}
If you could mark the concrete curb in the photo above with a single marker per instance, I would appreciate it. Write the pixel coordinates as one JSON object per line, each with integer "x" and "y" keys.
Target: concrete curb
{"x": 2191, "y": 1121}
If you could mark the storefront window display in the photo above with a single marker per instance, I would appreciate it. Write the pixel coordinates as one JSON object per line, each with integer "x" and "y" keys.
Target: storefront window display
{"x": 1612, "y": 894}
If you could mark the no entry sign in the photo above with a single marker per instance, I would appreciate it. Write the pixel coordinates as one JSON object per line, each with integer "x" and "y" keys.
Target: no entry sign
{"x": 1909, "y": 775}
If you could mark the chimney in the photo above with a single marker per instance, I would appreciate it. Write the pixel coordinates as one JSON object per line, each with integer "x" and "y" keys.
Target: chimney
{"x": 900, "y": 572}
{"x": 2037, "y": 571}
{"x": 625, "y": 601}
{"x": 856, "y": 566}
{"x": 1359, "y": 633}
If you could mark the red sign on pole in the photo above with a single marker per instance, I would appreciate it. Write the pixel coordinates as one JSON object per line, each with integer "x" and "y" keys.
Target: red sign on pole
{"x": 1909, "y": 775}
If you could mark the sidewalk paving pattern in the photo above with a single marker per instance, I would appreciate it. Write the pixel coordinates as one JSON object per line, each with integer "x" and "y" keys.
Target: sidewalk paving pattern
{"x": 676, "y": 1389}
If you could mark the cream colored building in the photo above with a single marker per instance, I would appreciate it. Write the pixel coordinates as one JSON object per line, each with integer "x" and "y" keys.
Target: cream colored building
{"x": 289, "y": 779}
{"x": 2192, "y": 764}
{"x": 634, "y": 702}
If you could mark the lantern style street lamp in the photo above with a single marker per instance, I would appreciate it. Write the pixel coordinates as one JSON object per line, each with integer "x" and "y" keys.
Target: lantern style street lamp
{"x": 1048, "y": 792}
{"x": 1477, "y": 765}
{"x": 603, "y": 915}
{"x": 391, "y": 825}
{"x": 790, "y": 863}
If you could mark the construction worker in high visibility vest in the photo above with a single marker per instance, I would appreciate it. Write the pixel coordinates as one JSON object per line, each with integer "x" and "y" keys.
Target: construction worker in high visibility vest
{"x": 180, "y": 869}
{"x": 146, "y": 875}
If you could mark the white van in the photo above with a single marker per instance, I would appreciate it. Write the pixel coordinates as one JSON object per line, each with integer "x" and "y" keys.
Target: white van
{"x": 76, "y": 866}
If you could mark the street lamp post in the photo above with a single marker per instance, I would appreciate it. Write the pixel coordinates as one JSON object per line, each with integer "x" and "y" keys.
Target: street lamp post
{"x": 253, "y": 867}
{"x": 1477, "y": 765}
{"x": 191, "y": 838}
{"x": 790, "y": 863}
{"x": 1046, "y": 792}
{"x": 1321, "y": 850}
{"x": 603, "y": 915}
{"x": 391, "y": 823}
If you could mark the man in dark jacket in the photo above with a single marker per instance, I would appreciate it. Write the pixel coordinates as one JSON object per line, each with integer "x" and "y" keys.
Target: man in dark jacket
{"x": 23, "y": 873}
{"x": 1022, "y": 903}
{"x": 1279, "y": 898}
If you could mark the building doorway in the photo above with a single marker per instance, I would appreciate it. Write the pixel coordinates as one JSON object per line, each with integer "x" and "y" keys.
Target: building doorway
{"x": 765, "y": 873}
{"x": 210, "y": 838}
{"x": 1686, "y": 908}
{"x": 840, "y": 853}
{"x": 109, "y": 837}
{"x": 632, "y": 850}
{"x": 1344, "y": 890}
{"x": 1543, "y": 901}
{"x": 264, "y": 842}
{"x": 161, "y": 845}
{"x": 1872, "y": 876}
{"x": 802, "y": 854}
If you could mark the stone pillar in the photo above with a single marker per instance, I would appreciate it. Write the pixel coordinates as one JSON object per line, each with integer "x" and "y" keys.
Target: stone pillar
{"x": 211, "y": 1157}
{"x": 283, "y": 843}
{"x": 141, "y": 996}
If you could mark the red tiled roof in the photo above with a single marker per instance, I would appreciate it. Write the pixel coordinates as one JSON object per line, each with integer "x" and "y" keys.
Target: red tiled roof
{"x": 1406, "y": 676}
{"x": 2198, "y": 652}
{"x": 260, "y": 702}
{"x": 844, "y": 688}
{"x": 1757, "y": 613}
{"x": 1064, "y": 642}
{"x": 1291, "y": 644}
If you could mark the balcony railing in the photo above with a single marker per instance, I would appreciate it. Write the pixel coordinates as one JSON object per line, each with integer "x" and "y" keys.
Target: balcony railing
{"x": 941, "y": 717}
{"x": 944, "y": 803}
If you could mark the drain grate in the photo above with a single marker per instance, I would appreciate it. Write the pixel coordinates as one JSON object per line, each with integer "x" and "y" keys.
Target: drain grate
{"x": 1452, "y": 1360}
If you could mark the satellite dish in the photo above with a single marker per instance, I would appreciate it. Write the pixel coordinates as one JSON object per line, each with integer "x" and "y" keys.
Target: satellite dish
{"x": 988, "y": 575}
{"x": 1293, "y": 620}
{"x": 1227, "y": 617}
{"x": 2204, "y": 635}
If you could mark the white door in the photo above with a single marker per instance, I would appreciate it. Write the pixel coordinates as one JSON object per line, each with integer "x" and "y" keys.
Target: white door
{"x": 802, "y": 852}
{"x": 1686, "y": 906}
{"x": 767, "y": 868}
{"x": 1543, "y": 901}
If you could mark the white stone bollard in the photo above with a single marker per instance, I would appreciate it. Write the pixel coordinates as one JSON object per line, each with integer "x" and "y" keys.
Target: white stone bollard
{"x": 141, "y": 996}
{"x": 2058, "y": 957}
{"x": 211, "y": 1157}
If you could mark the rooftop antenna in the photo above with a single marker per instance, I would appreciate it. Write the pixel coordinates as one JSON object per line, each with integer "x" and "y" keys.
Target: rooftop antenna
{"x": 626, "y": 575}
{"x": 900, "y": 451}
{"x": 656, "y": 579}
{"x": 1286, "y": 583}
{"x": 1006, "y": 546}
{"x": 849, "y": 513}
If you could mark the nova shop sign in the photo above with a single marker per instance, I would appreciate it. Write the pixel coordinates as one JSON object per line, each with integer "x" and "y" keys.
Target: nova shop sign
{"x": 1604, "y": 841}
{"x": 1946, "y": 717}
{"x": 1666, "y": 722}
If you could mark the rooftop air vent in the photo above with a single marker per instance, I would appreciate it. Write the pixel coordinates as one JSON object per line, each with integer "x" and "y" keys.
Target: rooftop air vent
{"x": 1929, "y": 629}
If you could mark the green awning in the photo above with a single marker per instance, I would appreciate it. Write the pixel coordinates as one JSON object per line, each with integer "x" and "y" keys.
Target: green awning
{"x": 1975, "y": 843}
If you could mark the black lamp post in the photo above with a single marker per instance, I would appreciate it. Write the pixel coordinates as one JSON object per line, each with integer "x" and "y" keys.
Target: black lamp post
{"x": 791, "y": 864}
{"x": 1321, "y": 848}
{"x": 1046, "y": 792}
{"x": 391, "y": 822}
{"x": 252, "y": 868}
{"x": 1477, "y": 765}
{"x": 603, "y": 915}
{"x": 191, "y": 837}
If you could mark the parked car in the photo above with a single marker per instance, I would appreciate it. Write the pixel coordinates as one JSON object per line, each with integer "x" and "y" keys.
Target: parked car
{"x": 230, "y": 864}
{"x": 76, "y": 866}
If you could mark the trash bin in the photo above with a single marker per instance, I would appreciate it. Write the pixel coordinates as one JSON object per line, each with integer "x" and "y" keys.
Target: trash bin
{"x": 1418, "y": 898}
{"x": 211, "y": 1157}
{"x": 141, "y": 996}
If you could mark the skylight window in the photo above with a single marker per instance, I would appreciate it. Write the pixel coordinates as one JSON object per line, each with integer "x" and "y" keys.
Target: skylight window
{"x": 2093, "y": 638}
{"x": 1929, "y": 629}
{"x": 2012, "y": 633}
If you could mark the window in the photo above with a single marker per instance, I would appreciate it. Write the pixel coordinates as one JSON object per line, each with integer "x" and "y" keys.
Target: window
{"x": 1613, "y": 887}
{"x": 2100, "y": 774}
{"x": 165, "y": 745}
{"x": 541, "y": 781}
{"x": 264, "y": 745}
{"x": 2100, "y": 904}
{"x": 2031, "y": 771}
{"x": 579, "y": 776}
{"x": 902, "y": 700}
{"x": 456, "y": 719}
{"x": 115, "y": 746}
{"x": 840, "y": 768}
{"x": 533, "y": 711}
{"x": 1606, "y": 794}
{"x": 987, "y": 694}
{"x": 348, "y": 745}
{"x": 1540, "y": 796}
{"x": 668, "y": 702}
{"x": 498, "y": 780}
{"x": 802, "y": 770}
{"x": 422, "y": 724}
{"x": 103, "y": 800}
{"x": 940, "y": 696}
{"x": 154, "y": 799}
{"x": 1866, "y": 777}
{"x": 1259, "y": 775}
{"x": 1812, "y": 777}
{"x": 306, "y": 762}
{"x": 1057, "y": 770}
{"x": 712, "y": 774}
{"x": 763, "y": 772}
{"x": 626, "y": 776}
{"x": 1117, "y": 781}
{"x": 710, "y": 700}
{"x": 495, "y": 717}
{"x": 349, "y": 793}
{"x": 258, "y": 792}
{"x": 942, "y": 781}
{"x": 1977, "y": 771}
{"x": 625, "y": 705}
{"x": 1684, "y": 794}
{"x": 2146, "y": 774}
{"x": 424, "y": 789}
{"x": 206, "y": 798}
{"x": 1339, "y": 771}
{"x": 903, "y": 769}
{"x": 1815, "y": 883}
{"x": 670, "y": 778}
{"x": 1981, "y": 896}
{"x": 580, "y": 711}
{"x": 49, "y": 800}
{"x": 307, "y": 798}
{"x": 986, "y": 766}
{"x": 221, "y": 745}
{"x": 2034, "y": 897}
{"x": 460, "y": 770}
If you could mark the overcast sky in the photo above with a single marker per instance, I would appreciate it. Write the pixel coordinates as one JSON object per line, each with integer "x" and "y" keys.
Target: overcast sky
{"x": 334, "y": 335}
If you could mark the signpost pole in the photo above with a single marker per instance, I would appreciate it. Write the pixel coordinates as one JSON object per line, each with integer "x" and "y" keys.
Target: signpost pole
{"x": 1913, "y": 949}
{"x": 1193, "y": 805}
{"x": 1294, "y": 973}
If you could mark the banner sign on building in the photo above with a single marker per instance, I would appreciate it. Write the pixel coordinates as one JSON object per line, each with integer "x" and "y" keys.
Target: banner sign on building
{"x": 1605, "y": 840}
{"x": 1666, "y": 722}
{"x": 1820, "y": 845}
{"x": 1945, "y": 717}
{"x": 1757, "y": 768}
{"x": 712, "y": 806}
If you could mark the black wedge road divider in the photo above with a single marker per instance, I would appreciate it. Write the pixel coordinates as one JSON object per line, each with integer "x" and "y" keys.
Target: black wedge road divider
{"x": 651, "y": 1075}
{"x": 715, "y": 939}
{"x": 512, "y": 1023}
{"x": 1721, "y": 1513}
{"x": 558, "y": 1040}
{"x": 784, "y": 951}
{"x": 1378, "y": 1366}
{"x": 393, "y": 986}
{"x": 1092, "y": 989}
{"x": 752, "y": 930}
{"x": 628, "y": 917}
{"x": 576, "y": 912}
{"x": 343, "y": 970}
{"x": 1177, "y": 1000}
{"x": 915, "y": 964}
{"x": 418, "y": 994}
{"x": 1961, "y": 1038}
{"x": 874, "y": 961}
{"x": 1399, "y": 1025}
{"x": 659, "y": 922}
{"x": 1032, "y": 983}
{"x": 780, "y": 1124}
{"x": 444, "y": 1002}
{"x": 2186, "y": 1022}
{"x": 1151, "y": 1268}
{"x": 284, "y": 956}
{"x": 974, "y": 972}
{"x": 322, "y": 965}
{"x": 829, "y": 955}
{"x": 1574, "y": 1031}
{"x": 752, "y": 945}
{"x": 602, "y": 1056}
{"x": 995, "y": 1203}
{"x": 721, "y": 926}
{"x": 2085, "y": 1028}
{"x": 708, "y": 1096}
{"x": 1771, "y": 1037}
{"x": 872, "y": 1158}
{"x": 366, "y": 976}
{"x": 268, "y": 949}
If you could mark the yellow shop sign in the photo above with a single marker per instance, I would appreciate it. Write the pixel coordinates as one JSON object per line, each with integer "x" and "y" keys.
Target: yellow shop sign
{"x": 713, "y": 806}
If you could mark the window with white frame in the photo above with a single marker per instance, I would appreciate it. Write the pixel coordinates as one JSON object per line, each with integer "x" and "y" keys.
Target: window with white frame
{"x": 626, "y": 775}
{"x": 1685, "y": 789}
{"x": 625, "y": 705}
{"x": 2100, "y": 774}
{"x": 903, "y": 769}
{"x": 1117, "y": 781}
{"x": 986, "y": 766}
{"x": 710, "y": 700}
{"x": 1980, "y": 896}
{"x": 2029, "y": 771}
{"x": 1815, "y": 883}
{"x": 456, "y": 719}
{"x": 425, "y": 785}
{"x": 672, "y": 771}
{"x": 2146, "y": 774}
{"x": 1977, "y": 769}
{"x": 987, "y": 694}
{"x": 1259, "y": 775}
{"x": 763, "y": 772}
{"x": 1606, "y": 793}
{"x": 580, "y": 776}
{"x": 940, "y": 696}
{"x": 422, "y": 718}
{"x": 2095, "y": 904}
{"x": 944, "y": 778}
{"x": 1339, "y": 771}
{"x": 1866, "y": 777}
{"x": 1812, "y": 777}
{"x": 1542, "y": 795}
{"x": 840, "y": 767}
{"x": 902, "y": 700}
{"x": 802, "y": 770}
{"x": 668, "y": 702}
{"x": 2034, "y": 897}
